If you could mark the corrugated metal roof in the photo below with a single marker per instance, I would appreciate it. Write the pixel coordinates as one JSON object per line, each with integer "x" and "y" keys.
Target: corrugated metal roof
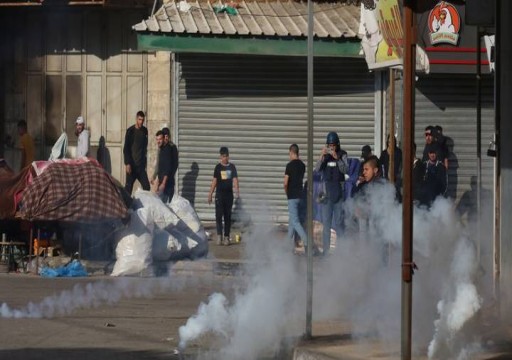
{"x": 254, "y": 18}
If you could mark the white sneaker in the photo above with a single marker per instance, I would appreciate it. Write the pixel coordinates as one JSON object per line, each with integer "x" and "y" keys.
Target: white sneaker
{"x": 219, "y": 240}
{"x": 226, "y": 241}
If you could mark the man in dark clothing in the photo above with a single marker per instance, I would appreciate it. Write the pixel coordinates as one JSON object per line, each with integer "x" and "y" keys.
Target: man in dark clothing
{"x": 173, "y": 159}
{"x": 293, "y": 187}
{"x": 443, "y": 145}
{"x": 369, "y": 190}
{"x": 225, "y": 181}
{"x": 333, "y": 165}
{"x": 366, "y": 152}
{"x": 165, "y": 183}
{"x": 418, "y": 174}
{"x": 384, "y": 161}
{"x": 432, "y": 137}
{"x": 435, "y": 176}
{"x": 135, "y": 154}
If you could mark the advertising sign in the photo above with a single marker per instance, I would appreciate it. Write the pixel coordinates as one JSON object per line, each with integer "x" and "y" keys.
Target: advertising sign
{"x": 381, "y": 32}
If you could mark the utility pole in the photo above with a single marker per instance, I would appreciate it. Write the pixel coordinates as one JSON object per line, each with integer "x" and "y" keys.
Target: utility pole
{"x": 309, "y": 301}
{"x": 409, "y": 69}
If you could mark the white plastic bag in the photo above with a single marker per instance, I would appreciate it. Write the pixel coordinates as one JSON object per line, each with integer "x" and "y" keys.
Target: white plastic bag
{"x": 185, "y": 212}
{"x": 133, "y": 250}
{"x": 164, "y": 245}
{"x": 161, "y": 214}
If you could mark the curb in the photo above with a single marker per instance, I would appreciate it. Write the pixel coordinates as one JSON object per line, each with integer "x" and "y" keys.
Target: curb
{"x": 217, "y": 267}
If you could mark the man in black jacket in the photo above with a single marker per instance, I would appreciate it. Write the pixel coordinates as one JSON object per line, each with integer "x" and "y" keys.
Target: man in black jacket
{"x": 434, "y": 182}
{"x": 165, "y": 181}
{"x": 135, "y": 154}
{"x": 173, "y": 158}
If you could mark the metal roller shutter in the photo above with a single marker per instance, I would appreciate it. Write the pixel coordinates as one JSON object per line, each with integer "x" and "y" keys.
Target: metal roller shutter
{"x": 450, "y": 101}
{"x": 257, "y": 106}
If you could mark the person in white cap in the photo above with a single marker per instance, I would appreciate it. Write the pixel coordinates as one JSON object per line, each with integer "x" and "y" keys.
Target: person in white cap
{"x": 82, "y": 147}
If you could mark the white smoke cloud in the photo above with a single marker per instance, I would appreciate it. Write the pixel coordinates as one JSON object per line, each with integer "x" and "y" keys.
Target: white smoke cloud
{"x": 269, "y": 309}
{"x": 460, "y": 302}
{"x": 92, "y": 294}
{"x": 360, "y": 283}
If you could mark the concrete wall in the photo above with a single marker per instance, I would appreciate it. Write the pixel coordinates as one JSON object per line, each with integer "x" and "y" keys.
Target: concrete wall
{"x": 159, "y": 101}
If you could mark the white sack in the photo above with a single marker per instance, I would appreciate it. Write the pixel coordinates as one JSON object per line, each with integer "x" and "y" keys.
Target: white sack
{"x": 161, "y": 214}
{"x": 186, "y": 212}
{"x": 164, "y": 245}
{"x": 133, "y": 250}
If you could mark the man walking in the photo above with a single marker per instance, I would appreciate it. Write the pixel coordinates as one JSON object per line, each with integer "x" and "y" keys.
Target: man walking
{"x": 173, "y": 159}
{"x": 293, "y": 187}
{"x": 165, "y": 186}
{"x": 135, "y": 153}
{"x": 224, "y": 182}
{"x": 82, "y": 147}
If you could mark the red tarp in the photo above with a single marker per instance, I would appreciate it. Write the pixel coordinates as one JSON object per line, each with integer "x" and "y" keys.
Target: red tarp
{"x": 11, "y": 187}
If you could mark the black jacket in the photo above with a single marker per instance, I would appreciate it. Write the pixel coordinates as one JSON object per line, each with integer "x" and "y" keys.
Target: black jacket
{"x": 135, "y": 153}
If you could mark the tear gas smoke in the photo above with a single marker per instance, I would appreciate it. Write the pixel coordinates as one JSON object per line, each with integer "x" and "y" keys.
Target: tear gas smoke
{"x": 360, "y": 283}
{"x": 459, "y": 303}
{"x": 89, "y": 295}
{"x": 259, "y": 317}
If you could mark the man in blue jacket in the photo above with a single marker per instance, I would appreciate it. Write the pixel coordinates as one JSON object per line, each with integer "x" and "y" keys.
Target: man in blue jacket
{"x": 333, "y": 165}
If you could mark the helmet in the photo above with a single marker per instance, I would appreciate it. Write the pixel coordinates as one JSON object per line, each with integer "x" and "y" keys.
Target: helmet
{"x": 332, "y": 138}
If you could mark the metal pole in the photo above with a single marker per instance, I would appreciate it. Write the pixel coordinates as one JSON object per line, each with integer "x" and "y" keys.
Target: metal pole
{"x": 37, "y": 250}
{"x": 309, "y": 302}
{"x": 497, "y": 174}
{"x": 154, "y": 7}
{"x": 80, "y": 244}
{"x": 478, "y": 142}
{"x": 391, "y": 144}
{"x": 392, "y": 141}
{"x": 409, "y": 66}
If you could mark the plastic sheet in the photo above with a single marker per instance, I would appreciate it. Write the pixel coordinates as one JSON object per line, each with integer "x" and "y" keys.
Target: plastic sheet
{"x": 72, "y": 269}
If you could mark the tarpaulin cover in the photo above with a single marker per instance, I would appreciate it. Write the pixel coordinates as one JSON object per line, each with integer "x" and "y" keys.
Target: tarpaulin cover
{"x": 74, "y": 192}
{"x": 11, "y": 187}
{"x": 72, "y": 269}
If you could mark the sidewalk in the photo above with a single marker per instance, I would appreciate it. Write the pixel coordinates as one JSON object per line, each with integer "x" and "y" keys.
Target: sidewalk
{"x": 333, "y": 341}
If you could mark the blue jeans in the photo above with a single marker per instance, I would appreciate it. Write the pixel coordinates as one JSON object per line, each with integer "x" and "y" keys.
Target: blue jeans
{"x": 332, "y": 216}
{"x": 294, "y": 220}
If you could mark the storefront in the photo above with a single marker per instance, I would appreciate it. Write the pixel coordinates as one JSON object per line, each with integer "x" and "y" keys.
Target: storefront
{"x": 257, "y": 106}
{"x": 240, "y": 80}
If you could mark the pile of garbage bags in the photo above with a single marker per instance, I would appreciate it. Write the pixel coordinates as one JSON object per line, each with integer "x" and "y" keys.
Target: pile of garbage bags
{"x": 159, "y": 232}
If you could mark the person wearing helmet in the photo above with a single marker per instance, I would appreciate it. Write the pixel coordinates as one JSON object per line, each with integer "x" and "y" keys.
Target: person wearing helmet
{"x": 332, "y": 165}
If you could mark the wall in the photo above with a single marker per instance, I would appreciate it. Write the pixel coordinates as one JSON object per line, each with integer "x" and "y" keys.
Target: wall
{"x": 63, "y": 62}
{"x": 159, "y": 108}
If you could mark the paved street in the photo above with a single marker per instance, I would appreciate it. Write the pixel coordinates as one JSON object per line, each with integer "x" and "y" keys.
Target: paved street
{"x": 101, "y": 317}
{"x": 143, "y": 324}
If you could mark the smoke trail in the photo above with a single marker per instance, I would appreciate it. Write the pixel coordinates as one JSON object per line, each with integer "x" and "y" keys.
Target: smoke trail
{"x": 262, "y": 314}
{"x": 459, "y": 304}
{"x": 86, "y": 296}
{"x": 359, "y": 283}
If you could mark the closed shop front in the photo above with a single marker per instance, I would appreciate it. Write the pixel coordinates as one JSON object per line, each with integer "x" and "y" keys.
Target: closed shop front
{"x": 257, "y": 106}
{"x": 449, "y": 100}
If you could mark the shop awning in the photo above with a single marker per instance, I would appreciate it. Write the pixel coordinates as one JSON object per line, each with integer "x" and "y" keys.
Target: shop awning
{"x": 251, "y": 27}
